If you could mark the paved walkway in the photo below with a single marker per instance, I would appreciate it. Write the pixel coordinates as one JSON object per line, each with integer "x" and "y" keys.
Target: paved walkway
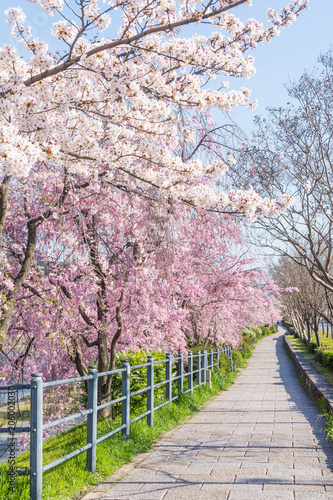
{"x": 261, "y": 439}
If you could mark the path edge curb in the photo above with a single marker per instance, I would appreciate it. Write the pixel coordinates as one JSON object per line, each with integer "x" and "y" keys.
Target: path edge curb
{"x": 313, "y": 380}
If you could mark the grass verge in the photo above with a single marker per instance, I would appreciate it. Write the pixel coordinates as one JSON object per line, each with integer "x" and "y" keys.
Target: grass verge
{"x": 301, "y": 346}
{"x": 71, "y": 481}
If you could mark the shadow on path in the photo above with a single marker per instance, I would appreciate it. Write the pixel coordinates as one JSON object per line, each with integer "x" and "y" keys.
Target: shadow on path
{"x": 301, "y": 400}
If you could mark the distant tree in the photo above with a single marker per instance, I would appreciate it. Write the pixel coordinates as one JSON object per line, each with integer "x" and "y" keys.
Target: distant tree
{"x": 292, "y": 153}
{"x": 306, "y": 306}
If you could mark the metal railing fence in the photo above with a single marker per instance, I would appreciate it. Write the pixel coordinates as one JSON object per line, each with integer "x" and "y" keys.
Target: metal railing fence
{"x": 195, "y": 375}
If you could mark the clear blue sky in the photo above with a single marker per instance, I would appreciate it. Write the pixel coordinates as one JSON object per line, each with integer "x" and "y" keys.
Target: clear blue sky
{"x": 278, "y": 62}
{"x": 285, "y": 58}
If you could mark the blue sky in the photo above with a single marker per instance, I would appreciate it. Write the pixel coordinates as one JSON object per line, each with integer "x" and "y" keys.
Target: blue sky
{"x": 277, "y": 63}
{"x": 285, "y": 58}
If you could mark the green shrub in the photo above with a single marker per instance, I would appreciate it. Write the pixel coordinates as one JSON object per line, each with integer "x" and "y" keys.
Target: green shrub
{"x": 319, "y": 356}
{"x": 324, "y": 355}
{"x": 237, "y": 358}
{"x": 202, "y": 347}
{"x": 249, "y": 333}
{"x": 224, "y": 364}
{"x": 245, "y": 348}
{"x": 248, "y": 340}
{"x": 259, "y": 332}
{"x": 312, "y": 346}
{"x": 327, "y": 358}
{"x": 265, "y": 330}
{"x": 138, "y": 378}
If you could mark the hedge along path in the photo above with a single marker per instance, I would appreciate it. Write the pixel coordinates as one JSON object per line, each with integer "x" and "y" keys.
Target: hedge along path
{"x": 260, "y": 439}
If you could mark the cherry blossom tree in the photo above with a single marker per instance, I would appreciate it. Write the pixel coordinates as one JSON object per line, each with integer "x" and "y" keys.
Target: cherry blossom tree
{"x": 107, "y": 103}
{"x": 115, "y": 101}
{"x": 116, "y": 269}
{"x": 93, "y": 137}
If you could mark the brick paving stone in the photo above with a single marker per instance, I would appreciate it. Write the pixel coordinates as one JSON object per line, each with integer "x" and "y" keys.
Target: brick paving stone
{"x": 242, "y": 472}
{"x": 239, "y": 487}
{"x": 264, "y": 495}
{"x": 171, "y": 487}
{"x": 304, "y": 495}
{"x": 139, "y": 495}
{"x": 198, "y": 468}
{"x": 196, "y": 495}
{"x": 230, "y": 463}
{"x": 221, "y": 477}
{"x": 257, "y": 463}
{"x": 259, "y": 440}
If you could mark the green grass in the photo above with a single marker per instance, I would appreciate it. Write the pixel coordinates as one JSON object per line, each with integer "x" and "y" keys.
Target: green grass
{"x": 301, "y": 346}
{"x": 71, "y": 481}
{"x": 328, "y": 417}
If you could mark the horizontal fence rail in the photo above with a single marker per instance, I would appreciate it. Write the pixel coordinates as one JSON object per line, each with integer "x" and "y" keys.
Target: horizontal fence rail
{"x": 190, "y": 371}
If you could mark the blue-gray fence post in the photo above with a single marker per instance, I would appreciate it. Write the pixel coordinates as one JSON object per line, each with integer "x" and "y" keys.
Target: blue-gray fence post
{"x": 204, "y": 366}
{"x": 125, "y": 404}
{"x": 218, "y": 357}
{"x": 210, "y": 362}
{"x": 232, "y": 366}
{"x": 198, "y": 367}
{"x": 180, "y": 373}
{"x": 190, "y": 372}
{"x": 92, "y": 419}
{"x": 36, "y": 437}
{"x": 150, "y": 392}
{"x": 168, "y": 376}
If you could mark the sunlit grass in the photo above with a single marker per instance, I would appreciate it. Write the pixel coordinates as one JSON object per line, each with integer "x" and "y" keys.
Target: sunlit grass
{"x": 70, "y": 480}
{"x": 301, "y": 346}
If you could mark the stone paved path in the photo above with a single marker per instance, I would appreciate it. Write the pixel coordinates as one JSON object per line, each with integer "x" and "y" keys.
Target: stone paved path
{"x": 261, "y": 439}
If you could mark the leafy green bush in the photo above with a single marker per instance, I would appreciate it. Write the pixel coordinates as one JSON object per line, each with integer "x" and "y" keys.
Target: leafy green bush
{"x": 247, "y": 340}
{"x": 138, "y": 378}
{"x": 259, "y": 332}
{"x": 224, "y": 364}
{"x": 237, "y": 358}
{"x": 312, "y": 346}
{"x": 324, "y": 356}
{"x": 324, "y": 353}
{"x": 250, "y": 333}
{"x": 265, "y": 330}
{"x": 319, "y": 356}
{"x": 245, "y": 347}
{"x": 328, "y": 358}
{"x": 202, "y": 347}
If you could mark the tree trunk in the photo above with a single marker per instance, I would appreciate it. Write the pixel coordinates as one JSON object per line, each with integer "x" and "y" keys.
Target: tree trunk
{"x": 3, "y": 205}
{"x": 315, "y": 327}
{"x": 104, "y": 385}
{"x": 308, "y": 333}
{"x": 18, "y": 281}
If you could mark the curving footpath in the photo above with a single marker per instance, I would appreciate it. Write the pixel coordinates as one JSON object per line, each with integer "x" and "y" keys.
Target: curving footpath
{"x": 261, "y": 439}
